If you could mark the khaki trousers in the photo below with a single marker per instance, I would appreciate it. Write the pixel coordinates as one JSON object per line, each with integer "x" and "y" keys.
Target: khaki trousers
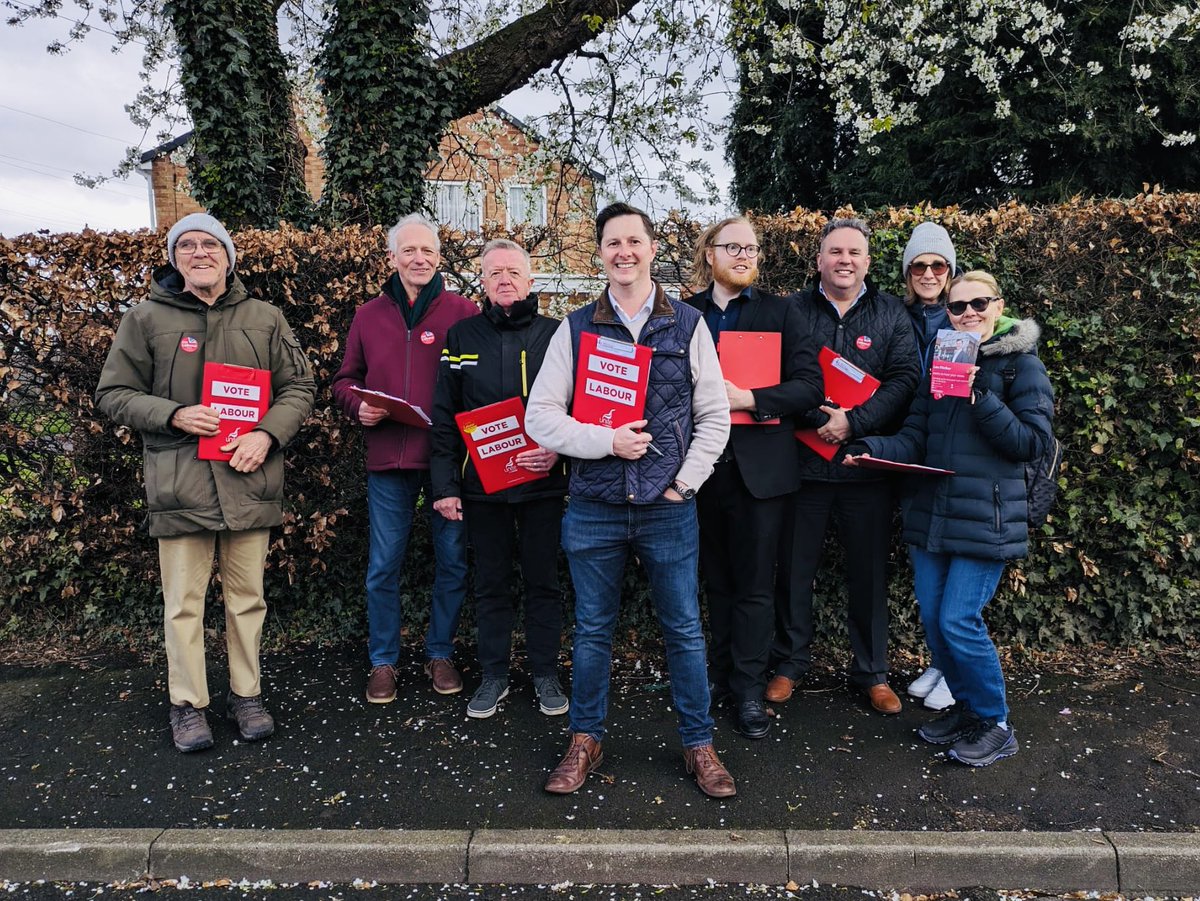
{"x": 185, "y": 562}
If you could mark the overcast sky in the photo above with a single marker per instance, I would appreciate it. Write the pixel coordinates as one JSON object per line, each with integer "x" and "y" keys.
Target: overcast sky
{"x": 62, "y": 115}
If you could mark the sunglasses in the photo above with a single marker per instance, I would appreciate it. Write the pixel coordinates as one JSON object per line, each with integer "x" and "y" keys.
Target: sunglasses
{"x": 978, "y": 304}
{"x": 938, "y": 268}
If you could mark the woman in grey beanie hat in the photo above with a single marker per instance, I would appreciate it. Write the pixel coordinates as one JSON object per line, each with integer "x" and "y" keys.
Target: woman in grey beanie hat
{"x": 929, "y": 264}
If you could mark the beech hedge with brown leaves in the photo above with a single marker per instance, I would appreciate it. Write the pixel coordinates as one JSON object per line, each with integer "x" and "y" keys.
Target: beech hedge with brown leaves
{"x": 1115, "y": 285}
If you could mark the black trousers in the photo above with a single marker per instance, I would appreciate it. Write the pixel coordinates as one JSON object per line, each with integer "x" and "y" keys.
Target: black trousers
{"x": 527, "y": 532}
{"x": 739, "y": 538}
{"x": 862, "y": 512}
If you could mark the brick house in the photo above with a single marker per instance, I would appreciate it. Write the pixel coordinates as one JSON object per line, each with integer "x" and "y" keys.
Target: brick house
{"x": 491, "y": 174}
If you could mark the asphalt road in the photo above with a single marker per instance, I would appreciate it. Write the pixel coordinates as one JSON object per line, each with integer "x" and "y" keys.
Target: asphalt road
{"x": 1116, "y": 749}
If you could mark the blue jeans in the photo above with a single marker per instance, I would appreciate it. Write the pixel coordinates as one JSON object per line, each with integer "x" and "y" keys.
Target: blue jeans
{"x": 952, "y": 592}
{"x": 391, "y": 504}
{"x": 597, "y": 538}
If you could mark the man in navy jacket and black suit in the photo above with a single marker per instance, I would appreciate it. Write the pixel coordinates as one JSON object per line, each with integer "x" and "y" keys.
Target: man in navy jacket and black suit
{"x": 742, "y": 506}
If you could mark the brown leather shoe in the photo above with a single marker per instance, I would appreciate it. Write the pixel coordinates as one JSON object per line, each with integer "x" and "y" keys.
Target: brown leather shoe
{"x": 583, "y": 756}
{"x": 446, "y": 680}
{"x": 712, "y": 777}
{"x": 381, "y": 684}
{"x": 883, "y": 698}
{"x": 779, "y": 689}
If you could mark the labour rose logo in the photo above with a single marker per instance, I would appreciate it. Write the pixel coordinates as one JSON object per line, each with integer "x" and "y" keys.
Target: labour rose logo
{"x": 426, "y": 337}
{"x": 863, "y": 342}
{"x": 188, "y": 344}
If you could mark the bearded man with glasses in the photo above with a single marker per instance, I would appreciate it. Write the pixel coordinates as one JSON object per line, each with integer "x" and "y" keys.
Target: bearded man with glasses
{"x": 200, "y": 312}
{"x": 742, "y": 506}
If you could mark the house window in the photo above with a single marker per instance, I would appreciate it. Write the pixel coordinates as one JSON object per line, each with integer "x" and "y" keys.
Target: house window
{"x": 458, "y": 204}
{"x": 526, "y": 205}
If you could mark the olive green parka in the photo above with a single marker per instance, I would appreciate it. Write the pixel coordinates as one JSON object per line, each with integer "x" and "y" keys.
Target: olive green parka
{"x": 156, "y": 366}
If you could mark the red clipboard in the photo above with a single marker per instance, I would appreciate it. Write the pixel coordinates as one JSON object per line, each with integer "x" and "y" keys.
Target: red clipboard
{"x": 750, "y": 360}
{"x": 610, "y": 381}
{"x": 893, "y": 466}
{"x": 845, "y": 385}
{"x": 494, "y": 435}
{"x": 398, "y": 408}
{"x": 241, "y": 396}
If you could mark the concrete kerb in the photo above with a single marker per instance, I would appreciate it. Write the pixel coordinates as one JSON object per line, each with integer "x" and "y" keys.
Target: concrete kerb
{"x": 920, "y": 861}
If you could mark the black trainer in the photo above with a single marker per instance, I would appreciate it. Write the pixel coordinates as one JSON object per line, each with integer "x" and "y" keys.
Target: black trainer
{"x": 751, "y": 719}
{"x": 985, "y": 744}
{"x": 952, "y": 725}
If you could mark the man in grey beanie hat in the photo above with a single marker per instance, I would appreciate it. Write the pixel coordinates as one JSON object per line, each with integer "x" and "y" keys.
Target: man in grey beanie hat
{"x": 199, "y": 312}
{"x": 202, "y": 222}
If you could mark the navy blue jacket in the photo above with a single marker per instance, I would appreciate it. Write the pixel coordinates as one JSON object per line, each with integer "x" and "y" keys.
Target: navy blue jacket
{"x": 981, "y": 510}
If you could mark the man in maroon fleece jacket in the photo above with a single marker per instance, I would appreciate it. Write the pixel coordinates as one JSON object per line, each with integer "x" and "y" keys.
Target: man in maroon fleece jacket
{"x": 394, "y": 346}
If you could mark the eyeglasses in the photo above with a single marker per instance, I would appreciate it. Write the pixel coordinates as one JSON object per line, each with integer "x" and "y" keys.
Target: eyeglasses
{"x": 978, "y": 304}
{"x": 938, "y": 268}
{"x": 188, "y": 247}
{"x": 734, "y": 250}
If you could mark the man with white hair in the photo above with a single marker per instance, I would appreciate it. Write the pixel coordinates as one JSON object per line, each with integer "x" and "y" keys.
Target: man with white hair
{"x": 199, "y": 312}
{"x": 393, "y": 347}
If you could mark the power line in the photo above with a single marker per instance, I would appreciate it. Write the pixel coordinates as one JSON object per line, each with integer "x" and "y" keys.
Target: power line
{"x": 95, "y": 134}
{"x": 132, "y": 192}
{"x": 51, "y": 219}
{"x": 64, "y": 178}
{"x": 87, "y": 25}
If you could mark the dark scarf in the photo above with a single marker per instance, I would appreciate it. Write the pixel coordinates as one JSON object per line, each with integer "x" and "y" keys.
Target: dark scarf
{"x": 413, "y": 313}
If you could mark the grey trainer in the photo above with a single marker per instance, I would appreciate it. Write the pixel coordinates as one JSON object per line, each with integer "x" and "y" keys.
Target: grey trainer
{"x": 952, "y": 725}
{"x": 253, "y": 721}
{"x": 552, "y": 700}
{"x": 984, "y": 745}
{"x": 487, "y": 697}
{"x": 189, "y": 728}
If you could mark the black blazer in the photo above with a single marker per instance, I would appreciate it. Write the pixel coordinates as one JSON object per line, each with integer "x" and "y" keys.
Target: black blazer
{"x": 768, "y": 455}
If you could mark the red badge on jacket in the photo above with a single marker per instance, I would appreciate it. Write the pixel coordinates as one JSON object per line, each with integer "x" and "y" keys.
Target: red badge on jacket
{"x": 188, "y": 344}
{"x": 427, "y": 337}
{"x": 863, "y": 342}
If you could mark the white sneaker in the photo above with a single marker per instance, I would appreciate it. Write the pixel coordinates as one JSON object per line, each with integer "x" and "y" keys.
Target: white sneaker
{"x": 940, "y": 698}
{"x": 924, "y": 683}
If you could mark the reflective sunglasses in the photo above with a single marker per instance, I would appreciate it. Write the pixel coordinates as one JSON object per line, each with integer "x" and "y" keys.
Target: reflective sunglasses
{"x": 978, "y": 304}
{"x": 938, "y": 268}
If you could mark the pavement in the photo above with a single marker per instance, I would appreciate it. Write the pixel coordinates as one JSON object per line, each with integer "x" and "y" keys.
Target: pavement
{"x": 1104, "y": 795}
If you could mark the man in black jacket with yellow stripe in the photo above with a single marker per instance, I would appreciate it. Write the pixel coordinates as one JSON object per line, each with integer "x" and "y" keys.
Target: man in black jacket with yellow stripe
{"x": 742, "y": 505}
{"x": 490, "y": 358}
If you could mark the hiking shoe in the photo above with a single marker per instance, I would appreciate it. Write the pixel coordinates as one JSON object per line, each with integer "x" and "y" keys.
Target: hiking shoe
{"x": 381, "y": 684}
{"x": 552, "y": 700}
{"x": 921, "y": 686}
{"x": 950, "y": 726}
{"x": 939, "y": 697}
{"x": 189, "y": 728}
{"x": 487, "y": 697}
{"x": 445, "y": 678}
{"x": 984, "y": 744}
{"x": 253, "y": 721}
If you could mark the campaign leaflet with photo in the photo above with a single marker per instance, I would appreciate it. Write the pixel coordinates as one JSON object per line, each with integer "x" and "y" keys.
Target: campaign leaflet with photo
{"x": 398, "y": 409}
{"x": 750, "y": 360}
{"x": 610, "y": 381}
{"x": 495, "y": 434}
{"x": 954, "y": 355}
{"x": 240, "y": 395}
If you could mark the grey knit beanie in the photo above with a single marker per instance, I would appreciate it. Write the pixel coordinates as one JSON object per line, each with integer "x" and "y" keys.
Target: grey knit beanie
{"x": 929, "y": 237}
{"x": 202, "y": 222}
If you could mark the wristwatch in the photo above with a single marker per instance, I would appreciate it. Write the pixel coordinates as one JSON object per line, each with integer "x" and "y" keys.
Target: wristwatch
{"x": 683, "y": 490}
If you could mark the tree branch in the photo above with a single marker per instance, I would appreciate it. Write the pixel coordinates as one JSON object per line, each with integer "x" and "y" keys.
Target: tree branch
{"x": 506, "y": 59}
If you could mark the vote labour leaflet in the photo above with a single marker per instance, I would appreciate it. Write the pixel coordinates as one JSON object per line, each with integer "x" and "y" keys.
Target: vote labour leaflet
{"x": 954, "y": 355}
{"x": 494, "y": 435}
{"x": 846, "y": 386}
{"x": 750, "y": 360}
{"x": 240, "y": 395}
{"x": 610, "y": 381}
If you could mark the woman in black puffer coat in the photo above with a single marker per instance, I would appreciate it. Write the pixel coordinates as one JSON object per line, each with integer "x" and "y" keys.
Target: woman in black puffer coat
{"x": 962, "y": 528}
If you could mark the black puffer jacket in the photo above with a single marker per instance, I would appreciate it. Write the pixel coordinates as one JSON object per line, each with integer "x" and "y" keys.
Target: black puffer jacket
{"x": 981, "y": 510}
{"x": 487, "y": 358}
{"x": 875, "y": 335}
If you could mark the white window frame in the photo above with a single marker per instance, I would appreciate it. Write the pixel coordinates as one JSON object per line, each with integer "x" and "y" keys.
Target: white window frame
{"x": 513, "y": 219}
{"x": 471, "y": 217}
